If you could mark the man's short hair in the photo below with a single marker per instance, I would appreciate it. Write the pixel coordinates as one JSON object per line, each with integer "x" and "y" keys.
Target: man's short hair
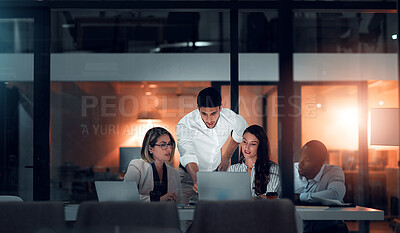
{"x": 318, "y": 149}
{"x": 209, "y": 98}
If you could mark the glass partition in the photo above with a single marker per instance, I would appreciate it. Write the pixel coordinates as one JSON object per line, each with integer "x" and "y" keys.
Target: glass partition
{"x": 258, "y": 105}
{"x": 91, "y": 121}
{"x": 133, "y": 31}
{"x": 16, "y": 103}
{"x": 117, "y": 73}
{"x": 346, "y": 64}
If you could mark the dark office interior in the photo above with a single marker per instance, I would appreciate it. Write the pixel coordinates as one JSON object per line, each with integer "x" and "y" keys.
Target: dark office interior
{"x": 81, "y": 81}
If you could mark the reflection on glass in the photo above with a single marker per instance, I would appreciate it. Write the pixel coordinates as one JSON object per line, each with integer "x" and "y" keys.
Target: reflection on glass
{"x": 16, "y": 104}
{"x": 345, "y": 32}
{"x": 383, "y": 160}
{"x": 258, "y": 32}
{"x": 16, "y": 35}
{"x": 131, "y": 31}
{"x": 17, "y": 126}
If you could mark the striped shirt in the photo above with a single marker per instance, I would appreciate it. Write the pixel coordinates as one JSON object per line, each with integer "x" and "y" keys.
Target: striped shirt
{"x": 274, "y": 182}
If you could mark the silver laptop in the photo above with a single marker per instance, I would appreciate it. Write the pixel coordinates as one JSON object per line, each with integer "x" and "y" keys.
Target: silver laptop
{"x": 117, "y": 191}
{"x": 218, "y": 186}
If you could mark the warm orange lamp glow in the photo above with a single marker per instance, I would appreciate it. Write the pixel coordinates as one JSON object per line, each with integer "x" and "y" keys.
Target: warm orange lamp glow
{"x": 385, "y": 126}
{"x": 149, "y": 116}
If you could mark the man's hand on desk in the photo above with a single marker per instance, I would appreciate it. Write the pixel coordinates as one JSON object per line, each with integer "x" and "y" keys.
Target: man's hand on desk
{"x": 168, "y": 197}
{"x": 296, "y": 198}
{"x": 259, "y": 197}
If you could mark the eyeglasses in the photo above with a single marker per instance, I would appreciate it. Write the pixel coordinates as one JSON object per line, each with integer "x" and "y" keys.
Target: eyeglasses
{"x": 164, "y": 146}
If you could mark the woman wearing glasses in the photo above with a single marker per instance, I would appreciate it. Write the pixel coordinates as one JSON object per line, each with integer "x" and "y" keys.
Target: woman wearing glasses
{"x": 156, "y": 180}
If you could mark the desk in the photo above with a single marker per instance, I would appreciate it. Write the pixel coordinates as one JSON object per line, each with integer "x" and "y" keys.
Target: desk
{"x": 305, "y": 213}
{"x": 349, "y": 213}
{"x": 317, "y": 213}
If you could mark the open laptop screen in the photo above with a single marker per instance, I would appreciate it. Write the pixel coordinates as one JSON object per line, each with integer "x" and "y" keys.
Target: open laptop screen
{"x": 218, "y": 186}
{"x": 117, "y": 191}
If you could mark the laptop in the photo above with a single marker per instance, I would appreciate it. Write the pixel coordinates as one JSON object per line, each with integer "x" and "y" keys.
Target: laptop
{"x": 221, "y": 186}
{"x": 117, "y": 191}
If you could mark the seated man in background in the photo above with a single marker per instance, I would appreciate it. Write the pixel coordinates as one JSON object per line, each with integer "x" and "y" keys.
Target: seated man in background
{"x": 314, "y": 179}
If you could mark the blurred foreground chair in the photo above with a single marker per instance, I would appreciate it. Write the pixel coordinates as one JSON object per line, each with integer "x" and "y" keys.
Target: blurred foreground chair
{"x": 7, "y": 198}
{"x": 127, "y": 217}
{"x": 32, "y": 217}
{"x": 397, "y": 228}
{"x": 266, "y": 216}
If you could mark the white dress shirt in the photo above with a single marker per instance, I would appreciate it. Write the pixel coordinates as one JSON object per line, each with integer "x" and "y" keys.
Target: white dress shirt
{"x": 201, "y": 145}
{"x": 328, "y": 183}
{"x": 273, "y": 183}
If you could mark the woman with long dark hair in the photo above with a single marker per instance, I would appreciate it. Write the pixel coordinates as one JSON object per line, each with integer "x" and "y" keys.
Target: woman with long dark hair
{"x": 254, "y": 158}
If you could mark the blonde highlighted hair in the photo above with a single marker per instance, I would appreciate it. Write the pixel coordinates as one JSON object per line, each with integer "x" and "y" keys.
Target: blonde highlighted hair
{"x": 150, "y": 139}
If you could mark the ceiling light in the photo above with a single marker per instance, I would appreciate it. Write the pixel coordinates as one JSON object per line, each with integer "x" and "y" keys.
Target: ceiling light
{"x": 146, "y": 116}
{"x": 183, "y": 45}
{"x": 202, "y": 43}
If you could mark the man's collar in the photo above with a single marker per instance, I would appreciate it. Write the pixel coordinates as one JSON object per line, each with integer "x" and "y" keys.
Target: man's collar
{"x": 319, "y": 175}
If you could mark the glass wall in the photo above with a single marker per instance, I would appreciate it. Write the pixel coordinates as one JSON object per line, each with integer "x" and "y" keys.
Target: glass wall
{"x": 345, "y": 65}
{"x": 330, "y": 114}
{"x": 383, "y": 160}
{"x": 258, "y": 105}
{"x": 16, "y": 104}
{"x": 345, "y": 32}
{"x": 117, "y": 73}
{"x": 93, "y": 121}
{"x": 133, "y": 31}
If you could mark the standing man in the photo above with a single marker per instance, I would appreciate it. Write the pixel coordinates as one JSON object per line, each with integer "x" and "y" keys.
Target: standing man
{"x": 314, "y": 179}
{"x": 201, "y": 135}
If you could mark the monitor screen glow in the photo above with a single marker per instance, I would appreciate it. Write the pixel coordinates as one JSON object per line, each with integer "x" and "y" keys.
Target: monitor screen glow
{"x": 126, "y": 154}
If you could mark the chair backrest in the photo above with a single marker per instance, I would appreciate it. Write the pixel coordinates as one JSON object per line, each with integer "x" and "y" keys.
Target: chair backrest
{"x": 7, "y": 198}
{"x": 267, "y": 216}
{"x": 32, "y": 217}
{"x": 98, "y": 217}
{"x": 397, "y": 228}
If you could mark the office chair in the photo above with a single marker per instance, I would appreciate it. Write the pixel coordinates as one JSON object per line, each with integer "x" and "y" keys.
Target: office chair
{"x": 266, "y": 216}
{"x": 397, "y": 228}
{"x": 124, "y": 217}
{"x": 37, "y": 217}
